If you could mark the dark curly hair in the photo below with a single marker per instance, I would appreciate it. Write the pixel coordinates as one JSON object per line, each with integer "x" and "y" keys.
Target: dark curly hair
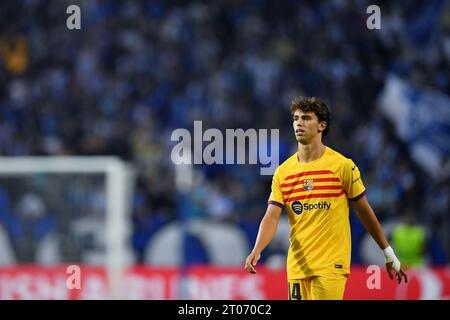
{"x": 308, "y": 104}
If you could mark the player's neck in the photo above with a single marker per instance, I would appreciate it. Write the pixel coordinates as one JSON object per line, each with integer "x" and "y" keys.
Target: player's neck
{"x": 310, "y": 152}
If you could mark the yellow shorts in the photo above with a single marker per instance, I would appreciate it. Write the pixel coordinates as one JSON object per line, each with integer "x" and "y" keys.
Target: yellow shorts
{"x": 323, "y": 287}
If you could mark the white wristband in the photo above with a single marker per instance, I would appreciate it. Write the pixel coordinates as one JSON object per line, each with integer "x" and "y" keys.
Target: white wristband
{"x": 389, "y": 256}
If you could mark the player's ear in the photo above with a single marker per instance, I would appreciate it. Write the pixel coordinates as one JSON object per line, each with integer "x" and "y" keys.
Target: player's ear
{"x": 322, "y": 126}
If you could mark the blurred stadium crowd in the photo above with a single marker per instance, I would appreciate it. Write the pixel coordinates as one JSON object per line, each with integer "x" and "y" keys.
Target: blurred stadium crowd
{"x": 137, "y": 70}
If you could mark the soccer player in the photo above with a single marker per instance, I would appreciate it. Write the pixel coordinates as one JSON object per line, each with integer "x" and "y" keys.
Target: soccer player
{"x": 316, "y": 185}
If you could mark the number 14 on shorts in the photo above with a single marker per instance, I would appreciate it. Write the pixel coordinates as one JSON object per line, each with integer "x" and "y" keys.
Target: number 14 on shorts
{"x": 294, "y": 291}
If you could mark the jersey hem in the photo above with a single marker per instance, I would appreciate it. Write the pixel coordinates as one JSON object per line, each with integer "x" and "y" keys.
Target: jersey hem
{"x": 319, "y": 273}
{"x": 276, "y": 203}
{"x": 358, "y": 197}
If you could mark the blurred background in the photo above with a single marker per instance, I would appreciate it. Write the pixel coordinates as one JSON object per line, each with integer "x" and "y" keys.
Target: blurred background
{"x": 138, "y": 70}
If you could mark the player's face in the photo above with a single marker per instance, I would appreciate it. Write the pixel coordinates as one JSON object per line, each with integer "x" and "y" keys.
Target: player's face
{"x": 306, "y": 126}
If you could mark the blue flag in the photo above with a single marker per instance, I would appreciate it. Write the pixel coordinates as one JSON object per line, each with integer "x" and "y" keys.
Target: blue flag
{"x": 422, "y": 120}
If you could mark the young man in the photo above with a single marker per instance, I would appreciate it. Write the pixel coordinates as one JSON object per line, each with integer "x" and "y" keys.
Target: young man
{"x": 315, "y": 185}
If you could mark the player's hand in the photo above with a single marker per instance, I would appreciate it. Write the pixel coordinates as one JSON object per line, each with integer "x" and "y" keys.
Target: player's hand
{"x": 393, "y": 265}
{"x": 400, "y": 274}
{"x": 251, "y": 262}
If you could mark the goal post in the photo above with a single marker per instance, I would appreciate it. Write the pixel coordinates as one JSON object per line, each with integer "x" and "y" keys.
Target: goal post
{"x": 117, "y": 180}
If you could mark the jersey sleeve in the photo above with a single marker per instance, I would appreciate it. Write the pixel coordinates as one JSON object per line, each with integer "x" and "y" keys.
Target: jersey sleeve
{"x": 276, "y": 196}
{"x": 352, "y": 181}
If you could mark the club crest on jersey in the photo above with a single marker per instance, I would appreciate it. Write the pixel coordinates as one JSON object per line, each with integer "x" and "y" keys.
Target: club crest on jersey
{"x": 308, "y": 184}
{"x": 297, "y": 207}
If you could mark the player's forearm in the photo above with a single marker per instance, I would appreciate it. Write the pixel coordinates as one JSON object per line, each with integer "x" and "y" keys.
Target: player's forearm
{"x": 373, "y": 227}
{"x": 266, "y": 232}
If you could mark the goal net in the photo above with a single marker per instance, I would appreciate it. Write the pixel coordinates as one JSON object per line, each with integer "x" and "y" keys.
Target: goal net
{"x": 60, "y": 211}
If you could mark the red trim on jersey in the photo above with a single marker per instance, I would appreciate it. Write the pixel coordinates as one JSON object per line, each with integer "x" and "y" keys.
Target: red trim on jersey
{"x": 315, "y": 188}
{"x": 317, "y": 195}
{"x": 308, "y": 173}
{"x": 275, "y": 203}
{"x": 314, "y": 180}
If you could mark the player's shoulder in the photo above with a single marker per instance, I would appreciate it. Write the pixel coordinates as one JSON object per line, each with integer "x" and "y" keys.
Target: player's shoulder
{"x": 338, "y": 158}
{"x": 287, "y": 164}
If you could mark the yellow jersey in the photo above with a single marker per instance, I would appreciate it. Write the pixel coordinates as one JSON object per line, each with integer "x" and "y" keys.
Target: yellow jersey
{"x": 316, "y": 195}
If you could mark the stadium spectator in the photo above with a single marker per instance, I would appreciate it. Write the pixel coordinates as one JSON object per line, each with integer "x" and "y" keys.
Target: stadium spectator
{"x": 137, "y": 70}
{"x": 410, "y": 241}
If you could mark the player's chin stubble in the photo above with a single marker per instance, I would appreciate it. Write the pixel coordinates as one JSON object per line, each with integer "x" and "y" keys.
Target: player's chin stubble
{"x": 302, "y": 140}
